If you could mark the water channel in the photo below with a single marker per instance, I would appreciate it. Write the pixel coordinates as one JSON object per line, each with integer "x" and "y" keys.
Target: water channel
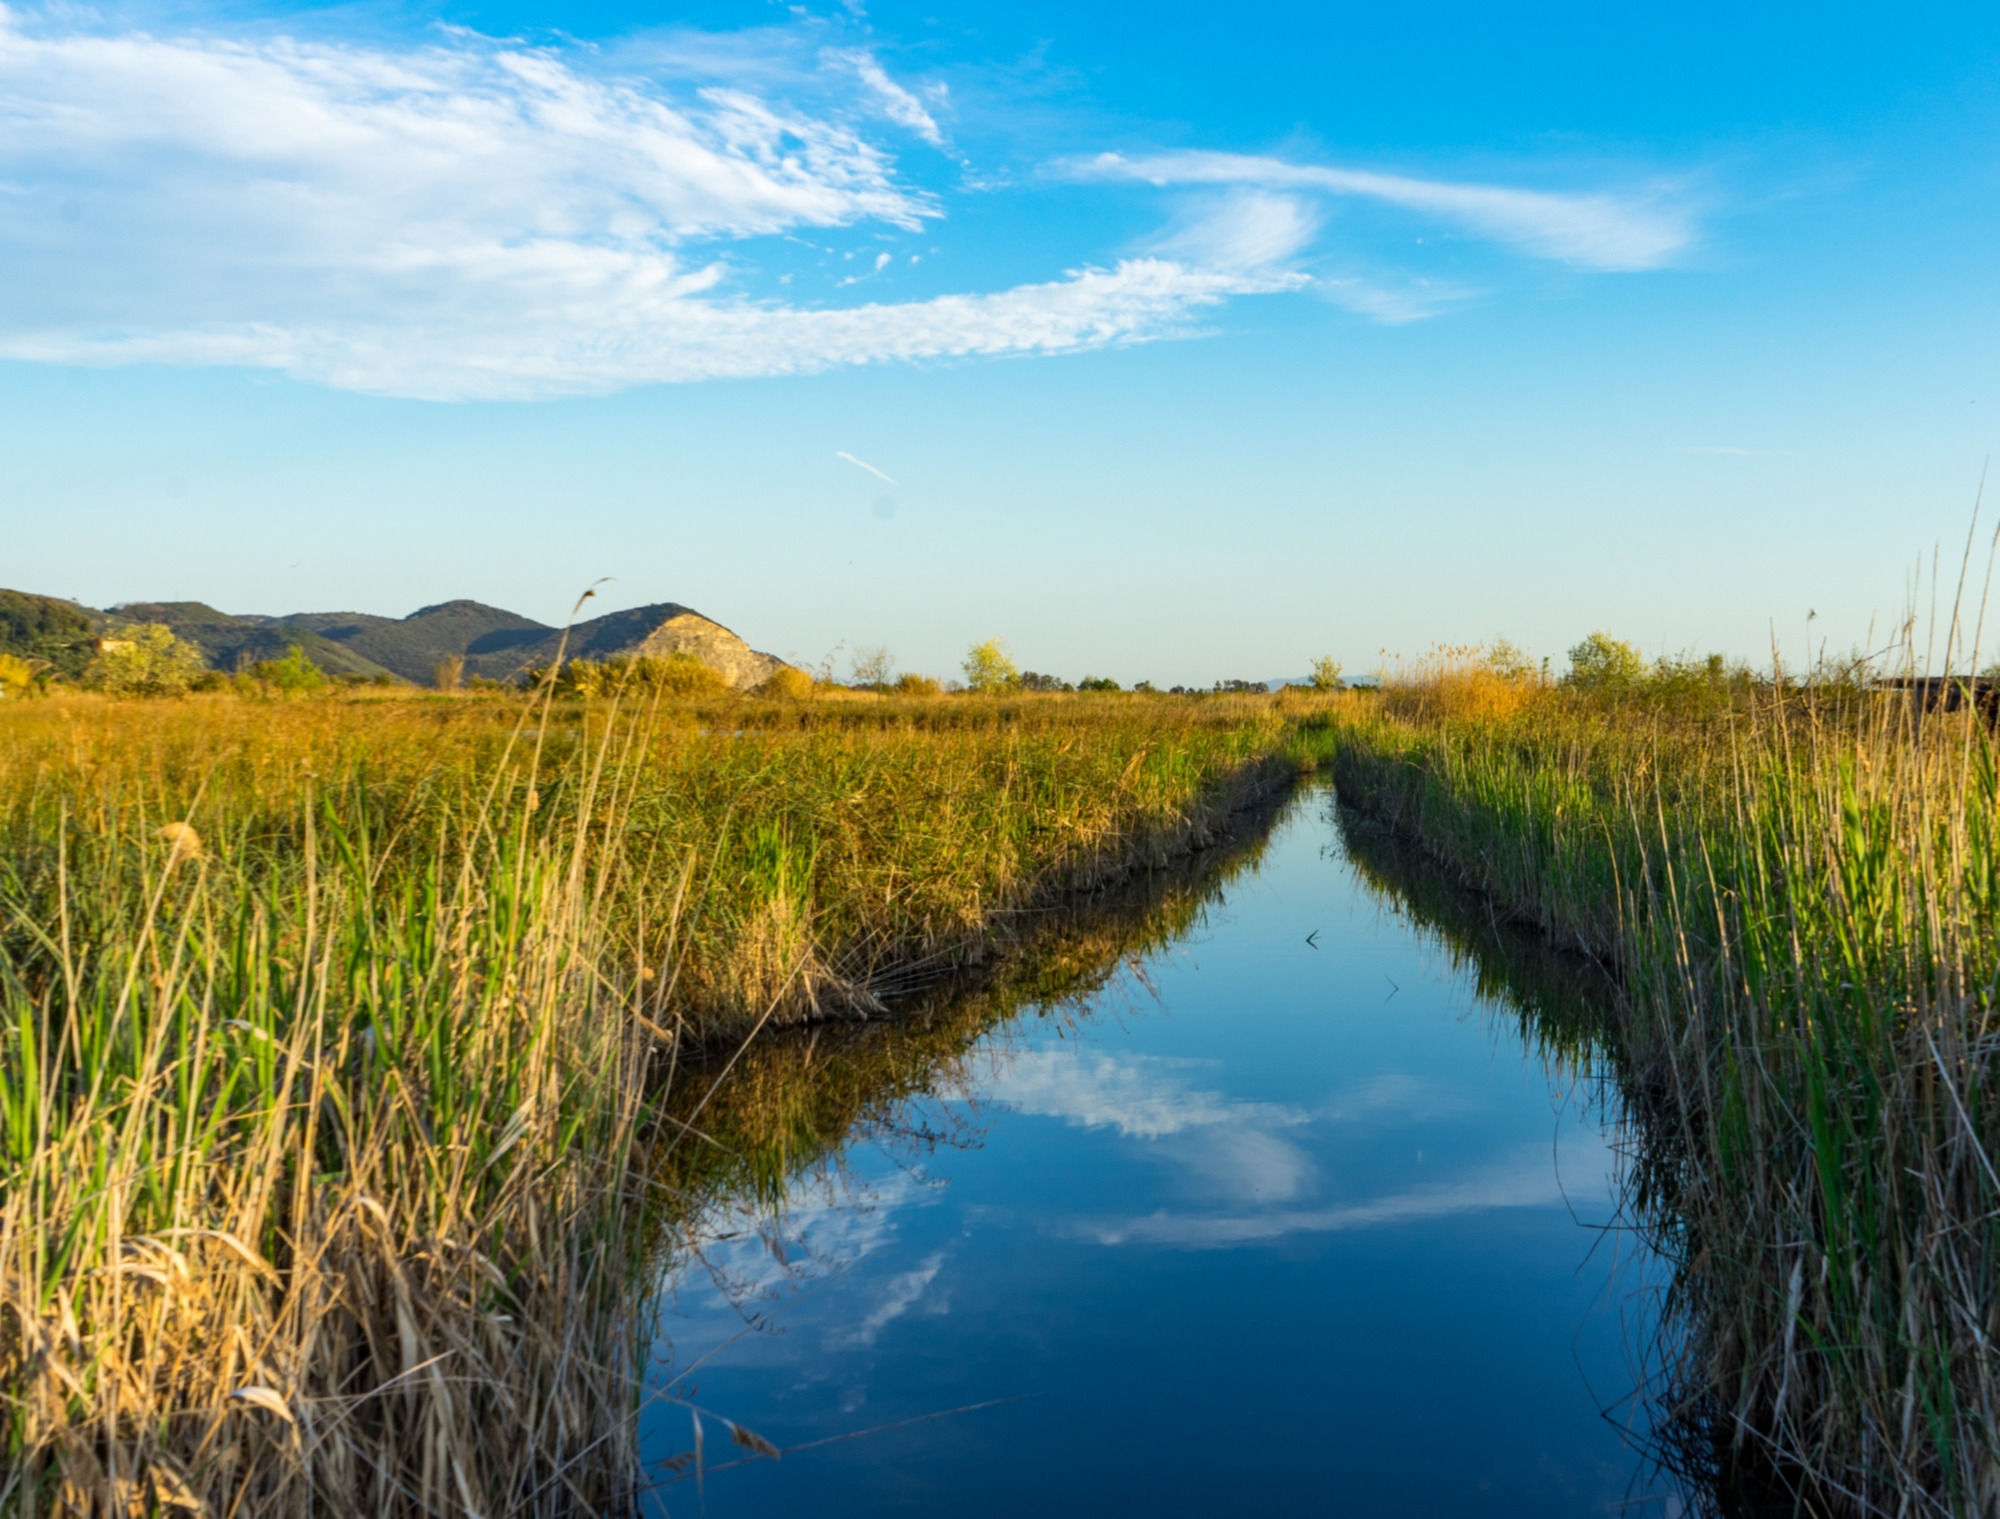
{"x": 1273, "y": 1192}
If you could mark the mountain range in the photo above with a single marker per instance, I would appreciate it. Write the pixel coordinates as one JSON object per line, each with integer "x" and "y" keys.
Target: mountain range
{"x": 491, "y": 641}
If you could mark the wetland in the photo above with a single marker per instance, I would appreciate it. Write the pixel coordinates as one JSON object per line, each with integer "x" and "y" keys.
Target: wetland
{"x": 1287, "y": 1176}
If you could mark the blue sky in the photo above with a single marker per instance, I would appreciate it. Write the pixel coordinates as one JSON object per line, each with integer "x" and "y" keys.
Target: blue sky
{"x": 1193, "y": 341}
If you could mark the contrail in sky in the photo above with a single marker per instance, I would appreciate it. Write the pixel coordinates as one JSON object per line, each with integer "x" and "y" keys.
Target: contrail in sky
{"x": 841, "y": 453}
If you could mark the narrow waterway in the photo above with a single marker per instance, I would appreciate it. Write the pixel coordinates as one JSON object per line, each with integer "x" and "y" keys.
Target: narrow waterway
{"x": 1297, "y": 1202}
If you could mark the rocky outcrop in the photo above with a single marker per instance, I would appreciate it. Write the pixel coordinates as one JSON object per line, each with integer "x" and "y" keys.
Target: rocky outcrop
{"x": 657, "y": 631}
{"x": 715, "y": 646}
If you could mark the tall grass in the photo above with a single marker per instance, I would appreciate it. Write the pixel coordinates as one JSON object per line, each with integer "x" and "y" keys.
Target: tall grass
{"x": 1800, "y": 892}
{"x": 330, "y": 1032}
{"x": 745, "y": 1123}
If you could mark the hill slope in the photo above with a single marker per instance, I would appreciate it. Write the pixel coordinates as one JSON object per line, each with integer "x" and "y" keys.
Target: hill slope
{"x": 230, "y": 643}
{"x": 412, "y": 646}
{"x": 493, "y": 642}
{"x": 45, "y": 630}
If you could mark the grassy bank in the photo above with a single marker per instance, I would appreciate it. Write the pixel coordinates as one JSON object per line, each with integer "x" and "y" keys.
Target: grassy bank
{"x": 330, "y": 1031}
{"x": 746, "y": 1122}
{"x": 1800, "y": 893}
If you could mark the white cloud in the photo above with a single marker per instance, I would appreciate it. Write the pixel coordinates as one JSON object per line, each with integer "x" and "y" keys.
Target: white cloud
{"x": 620, "y": 321}
{"x": 901, "y": 1294}
{"x": 472, "y": 218}
{"x": 1391, "y": 304}
{"x": 1244, "y": 229}
{"x": 897, "y": 103}
{"x": 1530, "y": 1182}
{"x": 1598, "y": 231}
{"x": 1246, "y": 1162}
{"x": 737, "y": 1259}
{"x": 1141, "y": 1098}
{"x": 1231, "y": 1147}
{"x": 481, "y": 218}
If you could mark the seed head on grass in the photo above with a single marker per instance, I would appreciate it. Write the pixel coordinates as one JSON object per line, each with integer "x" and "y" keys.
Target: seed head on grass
{"x": 182, "y": 842}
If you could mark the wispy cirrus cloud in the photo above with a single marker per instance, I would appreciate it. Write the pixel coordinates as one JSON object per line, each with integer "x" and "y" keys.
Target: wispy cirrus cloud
{"x": 1527, "y": 1182}
{"x": 469, "y": 218}
{"x": 1242, "y": 229}
{"x": 644, "y": 327}
{"x": 897, "y": 103}
{"x": 1232, "y": 1147}
{"x": 1140, "y": 1098}
{"x": 1593, "y": 230}
{"x": 473, "y": 217}
{"x": 900, "y": 1294}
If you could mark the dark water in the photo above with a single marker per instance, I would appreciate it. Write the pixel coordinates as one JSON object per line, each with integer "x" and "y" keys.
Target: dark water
{"x": 1297, "y": 1212}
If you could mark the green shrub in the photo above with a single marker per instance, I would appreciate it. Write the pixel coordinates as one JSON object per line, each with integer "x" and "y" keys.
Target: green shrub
{"x": 680, "y": 674}
{"x": 16, "y": 675}
{"x": 146, "y": 660}
{"x": 1604, "y": 663}
{"x": 787, "y": 683}
{"x": 295, "y": 674}
{"x": 989, "y": 667}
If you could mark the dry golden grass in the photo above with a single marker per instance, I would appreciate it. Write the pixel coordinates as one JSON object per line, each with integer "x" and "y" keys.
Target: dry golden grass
{"x": 328, "y": 1027}
{"x": 1455, "y": 684}
{"x": 787, "y": 683}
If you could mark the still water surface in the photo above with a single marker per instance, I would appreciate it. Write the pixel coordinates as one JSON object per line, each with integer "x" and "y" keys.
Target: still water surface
{"x": 1287, "y": 1217}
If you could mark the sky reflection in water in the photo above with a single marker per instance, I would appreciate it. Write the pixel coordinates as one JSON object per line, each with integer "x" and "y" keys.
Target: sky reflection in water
{"x": 1277, "y": 1227}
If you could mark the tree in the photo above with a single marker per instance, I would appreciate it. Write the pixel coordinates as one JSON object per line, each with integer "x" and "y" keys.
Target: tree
{"x": 1099, "y": 683}
{"x": 1326, "y": 674}
{"x": 988, "y": 667}
{"x": 295, "y": 674}
{"x": 45, "y": 631}
{"x": 1510, "y": 661}
{"x": 1602, "y": 662}
{"x": 16, "y": 675}
{"x": 449, "y": 672}
{"x": 874, "y": 667}
{"x": 146, "y": 660}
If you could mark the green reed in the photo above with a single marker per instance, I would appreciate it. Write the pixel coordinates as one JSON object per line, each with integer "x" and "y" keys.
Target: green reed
{"x": 1801, "y": 895}
{"x": 332, "y": 1032}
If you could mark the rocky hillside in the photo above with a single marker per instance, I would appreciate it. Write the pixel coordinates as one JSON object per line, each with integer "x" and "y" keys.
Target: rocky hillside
{"x": 493, "y": 642}
{"x": 664, "y": 629}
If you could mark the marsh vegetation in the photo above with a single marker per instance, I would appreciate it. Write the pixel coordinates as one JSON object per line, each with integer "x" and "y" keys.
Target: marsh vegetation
{"x": 351, "y": 1040}
{"x": 337, "y": 1033}
{"x": 1794, "y": 883}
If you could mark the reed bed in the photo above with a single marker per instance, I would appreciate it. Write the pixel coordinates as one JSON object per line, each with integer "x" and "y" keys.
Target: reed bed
{"x": 746, "y": 1123}
{"x": 332, "y": 1033}
{"x": 1799, "y": 892}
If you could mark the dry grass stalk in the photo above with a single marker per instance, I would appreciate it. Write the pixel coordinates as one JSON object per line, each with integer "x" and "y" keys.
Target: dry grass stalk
{"x": 1802, "y": 893}
{"x": 326, "y": 1032}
